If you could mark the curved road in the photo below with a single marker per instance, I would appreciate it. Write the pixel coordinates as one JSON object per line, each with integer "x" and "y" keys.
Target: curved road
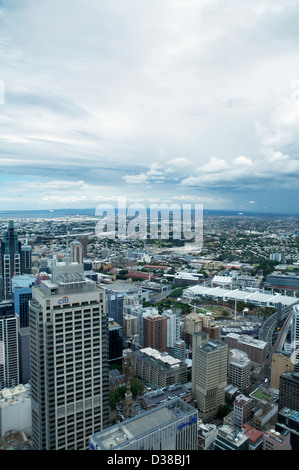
{"x": 266, "y": 334}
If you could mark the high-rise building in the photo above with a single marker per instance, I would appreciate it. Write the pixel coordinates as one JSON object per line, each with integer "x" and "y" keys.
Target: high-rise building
{"x": 295, "y": 338}
{"x": 281, "y": 362}
{"x": 239, "y": 369}
{"x": 68, "y": 359}
{"x": 173, "y": 327}
{"x": 171, "y": 426}
{"x": 9, "y": 346}
{"x": 26, "y": 265}
{"x": 115, "y": 342}
{"x": 10, "y": 259}
{"x": 22, "y": 293}
{"x": 76, "y": 252}
{"x": 155, "y": 332}
{"x": 115, "y": 308}
{"x": 289, "y": 390}
{"x": 179, "y": 350}
{"x": 209, "y": 375}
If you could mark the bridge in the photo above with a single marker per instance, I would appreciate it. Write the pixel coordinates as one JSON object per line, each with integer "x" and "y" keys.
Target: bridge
{"x": 266, "y": 334}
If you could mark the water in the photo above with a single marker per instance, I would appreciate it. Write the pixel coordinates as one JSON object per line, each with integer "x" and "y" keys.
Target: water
{"x": 90, "y": 212}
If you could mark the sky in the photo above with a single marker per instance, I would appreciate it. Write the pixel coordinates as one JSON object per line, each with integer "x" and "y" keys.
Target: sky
{"x": 174, "y": 101}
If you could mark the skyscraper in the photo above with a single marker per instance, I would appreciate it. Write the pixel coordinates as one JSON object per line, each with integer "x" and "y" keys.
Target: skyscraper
{"x": 9, "y": 346}
{"x": 209, "y": 374}
{"x": 26, "y": 259}
{"x": 155, "y": 332}
{"x": 173, "y": 327}
{"x": 69, "y": 360}
{"x": 76, "y": 252}
{"x": 10, "y": 259}
{"x": 295, "y": 338}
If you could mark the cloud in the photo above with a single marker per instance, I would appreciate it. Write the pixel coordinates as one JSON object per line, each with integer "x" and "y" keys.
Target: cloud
{"x": 169, "y": 96}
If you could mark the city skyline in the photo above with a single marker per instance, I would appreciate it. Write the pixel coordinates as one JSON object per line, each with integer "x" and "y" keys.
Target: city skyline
{"x": 173, "y": 101}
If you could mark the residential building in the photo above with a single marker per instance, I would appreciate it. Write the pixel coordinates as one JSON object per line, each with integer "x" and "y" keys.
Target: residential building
{"x": 172, "y": 328}
{"x": 76, "y": 252}
{"x": 155, "y": 332}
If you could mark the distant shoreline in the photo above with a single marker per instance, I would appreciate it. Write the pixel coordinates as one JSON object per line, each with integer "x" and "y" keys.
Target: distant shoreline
{"x": 60, "y": 213}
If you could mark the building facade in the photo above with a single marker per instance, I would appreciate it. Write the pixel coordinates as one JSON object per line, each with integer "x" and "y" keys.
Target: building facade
{"x": 68, "y": 360}
{"x": 9, "y": 346}
{"x": 209, "y": 375}
{"x": 171, "y": 426}
{"x": 10, "y": 259}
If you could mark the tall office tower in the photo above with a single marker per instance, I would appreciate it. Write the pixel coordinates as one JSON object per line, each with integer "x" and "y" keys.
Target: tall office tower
{"x": 115, "y": 305}
{"x": 239, "y": 369}
{"x": 84, "y": 243}
{"x": 129, "y": 325}
{"x": 24, "y": 354}
{"x": 289, "y": 391}
{"x": 173, "y": 327}
{"x": 155, "y": 332}
{"x": 115, "y": 342}
{"x": 9, "y": 346}
{"x": 209, "y": 375}
{"x": 22, "y": 293}
{"x": 76, "y": 252}
{"x": 10, "y": 259}
{"x": 141, "y": 314}
{"x": 26, "y": 259}
{"x": 281, "y": 362}
{"x": 68, "y": 359}
{"x": 295, "y": 338}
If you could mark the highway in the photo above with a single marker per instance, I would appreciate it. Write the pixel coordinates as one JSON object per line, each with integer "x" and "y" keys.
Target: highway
{"x": 266, "y": 334}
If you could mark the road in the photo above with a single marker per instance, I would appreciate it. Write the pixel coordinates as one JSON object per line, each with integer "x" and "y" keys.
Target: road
{"x": 266, "y": 334}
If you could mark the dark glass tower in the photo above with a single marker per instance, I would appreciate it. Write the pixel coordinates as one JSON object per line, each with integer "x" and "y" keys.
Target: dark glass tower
{"x": 10, "y": 259}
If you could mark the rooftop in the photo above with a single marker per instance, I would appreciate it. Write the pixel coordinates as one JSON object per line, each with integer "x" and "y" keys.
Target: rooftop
{"x": 149, "y": 421}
